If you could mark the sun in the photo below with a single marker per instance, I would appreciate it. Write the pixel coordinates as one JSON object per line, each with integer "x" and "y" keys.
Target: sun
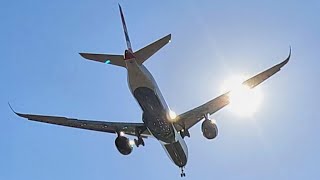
{"x": 243, "y": 100}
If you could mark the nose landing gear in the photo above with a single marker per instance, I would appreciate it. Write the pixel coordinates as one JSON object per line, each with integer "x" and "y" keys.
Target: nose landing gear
{"x": 182, "y": 172}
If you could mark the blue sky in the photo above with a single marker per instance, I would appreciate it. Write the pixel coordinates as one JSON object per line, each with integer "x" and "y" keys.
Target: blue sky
{"x": 41, "y": 72}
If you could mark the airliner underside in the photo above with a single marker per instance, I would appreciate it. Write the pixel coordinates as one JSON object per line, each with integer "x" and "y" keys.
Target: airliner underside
{"x": 156, "y": 119}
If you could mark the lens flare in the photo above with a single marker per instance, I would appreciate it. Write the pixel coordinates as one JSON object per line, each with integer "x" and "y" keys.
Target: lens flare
{"x": 121, "y": 133}
{"x": 172, "y": 116}
{"x": 131, "y": 142}
{"x": 243, "y": 100}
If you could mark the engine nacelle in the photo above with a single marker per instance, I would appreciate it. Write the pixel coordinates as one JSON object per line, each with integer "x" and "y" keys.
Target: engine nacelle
{"x": 209, "y": 129}
{"x": 123, "y": 145}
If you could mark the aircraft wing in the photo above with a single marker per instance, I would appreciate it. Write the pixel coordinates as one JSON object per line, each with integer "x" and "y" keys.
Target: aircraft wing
{"x": 110, "y": 127}
{"x": 190, "y": 118}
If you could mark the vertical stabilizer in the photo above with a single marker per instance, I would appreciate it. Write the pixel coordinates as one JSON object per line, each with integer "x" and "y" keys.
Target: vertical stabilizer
{"x": 125, "y": 30}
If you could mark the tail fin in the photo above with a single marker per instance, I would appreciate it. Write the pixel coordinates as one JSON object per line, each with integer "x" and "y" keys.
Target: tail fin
{"x": 141, "y": 55}
{"x": 146, "y": 52}
{"x": 125, "y": 30}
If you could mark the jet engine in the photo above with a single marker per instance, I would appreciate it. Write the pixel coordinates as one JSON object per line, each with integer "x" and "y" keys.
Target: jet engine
{"x": 209, "y": 129}
{"x": 123, "y": 145}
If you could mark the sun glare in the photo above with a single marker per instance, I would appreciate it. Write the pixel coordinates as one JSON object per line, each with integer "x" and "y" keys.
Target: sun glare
{"x": 243, "y": 100}
{"x": 131, "y": 142}
{"x": 172, "y": 116}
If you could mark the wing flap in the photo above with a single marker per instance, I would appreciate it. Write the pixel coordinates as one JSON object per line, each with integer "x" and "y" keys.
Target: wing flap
{"x": 192, "y": 117}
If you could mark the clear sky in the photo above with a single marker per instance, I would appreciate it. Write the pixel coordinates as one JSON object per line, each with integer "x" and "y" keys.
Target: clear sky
{"x": 41, "y": 72}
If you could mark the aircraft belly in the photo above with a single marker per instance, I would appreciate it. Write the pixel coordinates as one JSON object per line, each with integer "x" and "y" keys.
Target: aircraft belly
{"x": 154, "y": 115}
{"x": 147, "y": 94}
{"x": 177, "y": 153}
{"x": 138, "y": 78}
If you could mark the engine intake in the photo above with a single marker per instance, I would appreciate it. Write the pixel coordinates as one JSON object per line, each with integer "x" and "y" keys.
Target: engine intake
{"x": 123, "y": 145}
{"x": 209, "y": 129}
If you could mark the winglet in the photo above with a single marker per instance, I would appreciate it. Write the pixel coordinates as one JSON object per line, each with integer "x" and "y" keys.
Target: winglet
{"x": 286, "y": 60}
{"x": 12, "y": 109}
{"x": 289, "y": 54}
{"x": 18, "y": 114}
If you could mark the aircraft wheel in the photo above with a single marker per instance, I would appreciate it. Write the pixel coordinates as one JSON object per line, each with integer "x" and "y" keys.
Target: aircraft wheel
{"x": 139, "y": 142}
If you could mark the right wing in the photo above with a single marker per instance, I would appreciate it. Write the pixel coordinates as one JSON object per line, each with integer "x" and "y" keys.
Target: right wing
{"x": 190, "y": 118}
{"x": 133, "y": 129}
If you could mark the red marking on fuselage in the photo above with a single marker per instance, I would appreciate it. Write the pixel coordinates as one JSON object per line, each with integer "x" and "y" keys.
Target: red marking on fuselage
{"x": 128, "y": 55}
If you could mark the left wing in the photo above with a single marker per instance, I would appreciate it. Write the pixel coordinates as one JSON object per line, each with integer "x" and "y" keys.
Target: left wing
{"x": 188, "y": 119}
{"x": 133, "y": 129}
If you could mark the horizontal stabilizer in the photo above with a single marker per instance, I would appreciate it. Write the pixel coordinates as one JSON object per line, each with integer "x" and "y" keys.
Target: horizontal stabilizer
{"x": 105, "y": 58}
{"x": 146, "y": 52}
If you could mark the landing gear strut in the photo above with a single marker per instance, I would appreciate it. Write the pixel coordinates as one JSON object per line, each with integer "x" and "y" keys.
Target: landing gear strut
{"x": 182, "y": 172}
{"x": 184, "y": 133}
{"x": 139, "y": 141}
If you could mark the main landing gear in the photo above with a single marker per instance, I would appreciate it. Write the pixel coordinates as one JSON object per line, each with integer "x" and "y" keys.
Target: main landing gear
{"x": 139, "y": 141}
{"x": 184, "y": 133}
{"x": 182, "y": 172}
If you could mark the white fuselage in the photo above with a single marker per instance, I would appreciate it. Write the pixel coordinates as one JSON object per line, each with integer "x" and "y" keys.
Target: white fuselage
{"x": 156, "y": 112}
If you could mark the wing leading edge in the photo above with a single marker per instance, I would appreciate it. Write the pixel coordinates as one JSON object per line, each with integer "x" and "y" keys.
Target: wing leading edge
{"x": 192, "y": 117}
{"x": 133, "y": 129}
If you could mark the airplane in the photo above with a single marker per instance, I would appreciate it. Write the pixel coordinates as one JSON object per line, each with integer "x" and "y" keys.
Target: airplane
{"x": 157, "y": 119}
